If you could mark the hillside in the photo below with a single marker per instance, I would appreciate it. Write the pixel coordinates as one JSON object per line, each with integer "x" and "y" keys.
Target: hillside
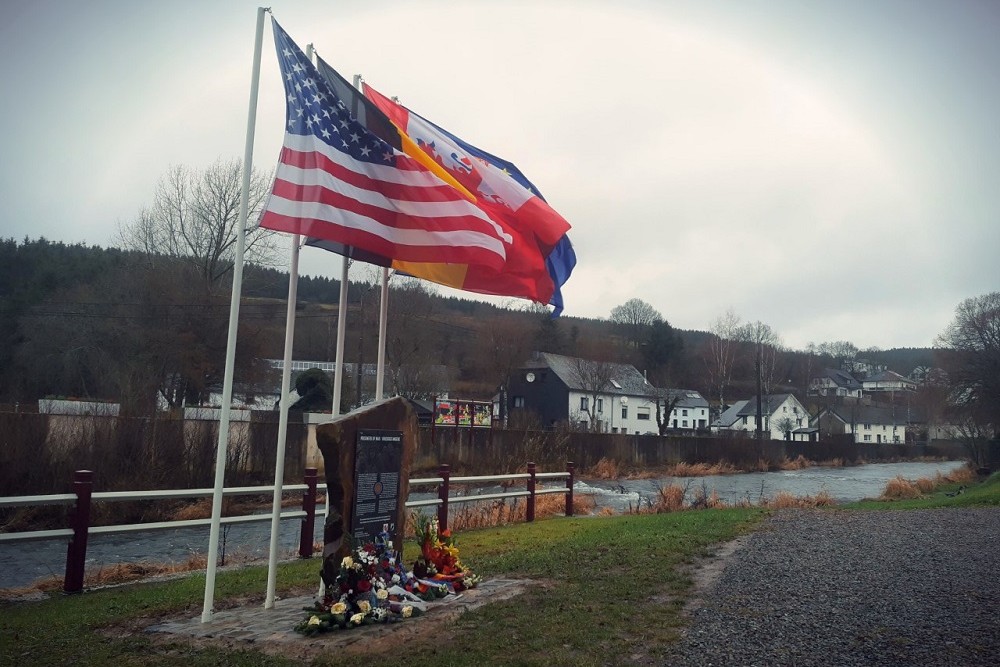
{"x": 93, "y": 322}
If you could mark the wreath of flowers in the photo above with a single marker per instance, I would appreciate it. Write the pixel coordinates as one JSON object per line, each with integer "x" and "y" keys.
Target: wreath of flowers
{"x": 371, "y": 587}
{"x": 439, "y": 561}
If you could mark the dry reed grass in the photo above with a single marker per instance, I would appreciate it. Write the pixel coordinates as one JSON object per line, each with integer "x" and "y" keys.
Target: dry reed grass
{"x": 121, "y": 573}
{"x": 785, "y": 500}
{"x": 900, "y": 489}
{"x": 903, "y": 489}
{"x": 503, "y": 511}
{"x": 604, "y": 469}
{"x": 701, "y": 469}
{"x": 797, "y": 463}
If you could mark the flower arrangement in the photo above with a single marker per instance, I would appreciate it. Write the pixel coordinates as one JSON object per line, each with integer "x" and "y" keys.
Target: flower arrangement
{"x": 439, "y": 561}
{"x": 371, "y": 587}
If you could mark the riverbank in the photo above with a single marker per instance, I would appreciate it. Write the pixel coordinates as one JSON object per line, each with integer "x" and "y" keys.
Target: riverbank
{"x": 21, "y": 564}
{"x": 607, "y": 590}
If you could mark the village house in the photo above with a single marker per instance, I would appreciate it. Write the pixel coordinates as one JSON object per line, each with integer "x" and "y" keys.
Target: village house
{"x": 888, "y": 381}
{"x": 783, "y": 417}
{"x": 834, "y": 382}
{"x": 866, "y": 423}
{"x": 595, "y": 395}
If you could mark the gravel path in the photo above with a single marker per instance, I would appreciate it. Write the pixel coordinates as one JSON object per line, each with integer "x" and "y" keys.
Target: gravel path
{"x": 855, "y": 588}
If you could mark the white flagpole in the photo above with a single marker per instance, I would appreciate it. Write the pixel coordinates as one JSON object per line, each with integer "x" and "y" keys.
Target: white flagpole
{"x": 234, "y": 317}
{"x": 383, "y": 316}
{"x": 286, "y": 375}
{"x": 338, "y": 371}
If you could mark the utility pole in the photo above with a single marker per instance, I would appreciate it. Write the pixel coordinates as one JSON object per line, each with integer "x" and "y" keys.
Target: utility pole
{"x": 760, "y": 417}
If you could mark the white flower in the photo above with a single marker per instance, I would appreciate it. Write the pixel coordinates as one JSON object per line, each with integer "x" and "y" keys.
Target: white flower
{"x": 382, "y": 594}
{"x": 379, "y": 613}
{"x": 395, "y": 578}
{"x": 407, "y": 611}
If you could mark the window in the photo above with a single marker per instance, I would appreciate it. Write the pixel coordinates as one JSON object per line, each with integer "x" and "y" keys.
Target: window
{"x": 642, "y": 414}
{"x": 675, "y": 424}
{"x": 784, "y": 408}
{"x": 895, "y": 439}
{"x": 684, "y": 423}
{"x": 624, "y": 412}
{"x": 684, "y": 413}
{"x": 868, "y": 438}
{"x": 519, "y": 401}
{"x": 584, "y": 404}
{"x": 868, "y": 427}
{"x": 600, "y": 405}
{"x": 701, "y": 423}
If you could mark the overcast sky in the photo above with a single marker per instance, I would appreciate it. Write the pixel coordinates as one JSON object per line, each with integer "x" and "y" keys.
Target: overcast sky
{"x": 831, "y": 168}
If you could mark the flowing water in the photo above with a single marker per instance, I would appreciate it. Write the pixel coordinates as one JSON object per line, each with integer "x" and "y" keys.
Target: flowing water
{"x": 23, "y": 563}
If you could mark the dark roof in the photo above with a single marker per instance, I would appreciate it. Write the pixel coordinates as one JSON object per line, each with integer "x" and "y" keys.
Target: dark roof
{"x": 889, "y": 376}
{"x": 867, "y": 414}
{"x": 730, "y": 415}
{"x": 841, "y": 378}
{"x": 689, "y": 398}
{"x": 768, "y": 404}
{"x": 624, "y": 379}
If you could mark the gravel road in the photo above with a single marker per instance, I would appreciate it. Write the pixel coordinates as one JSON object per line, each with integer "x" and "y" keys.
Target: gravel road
{"x": 854, "y": 588}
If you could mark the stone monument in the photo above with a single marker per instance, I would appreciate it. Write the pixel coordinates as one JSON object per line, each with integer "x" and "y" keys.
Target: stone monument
{"x": 367, "y": 455}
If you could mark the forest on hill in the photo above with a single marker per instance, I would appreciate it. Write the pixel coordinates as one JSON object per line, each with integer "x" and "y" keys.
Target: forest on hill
{"x": 128, "y": 326}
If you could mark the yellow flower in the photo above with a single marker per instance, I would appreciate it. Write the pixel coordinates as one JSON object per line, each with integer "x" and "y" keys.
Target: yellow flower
{"x": 314, "y": 620}
{"x": 357, "y": 619}
{"x": 407, "y": 611}
{"x": 347, "y": 563}
{"x": 364, "y": 606}
{"x": 338, "y": 608}
{"x": 382, "y": 594}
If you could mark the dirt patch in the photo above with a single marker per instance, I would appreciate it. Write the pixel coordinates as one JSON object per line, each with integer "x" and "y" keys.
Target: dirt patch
{"x": 707, "y": 572}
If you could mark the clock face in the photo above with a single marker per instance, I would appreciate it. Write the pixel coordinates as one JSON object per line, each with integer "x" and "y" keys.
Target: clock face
{"x": 530, "y": 377}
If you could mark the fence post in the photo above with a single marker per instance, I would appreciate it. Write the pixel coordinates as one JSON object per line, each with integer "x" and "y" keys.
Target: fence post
{"x": 444, "y": 472}
{"x": 309, "y": 522}
{"x": 569, "y": 489}
{"x": 76, "y": 552}
{"x": 530, "y": 512}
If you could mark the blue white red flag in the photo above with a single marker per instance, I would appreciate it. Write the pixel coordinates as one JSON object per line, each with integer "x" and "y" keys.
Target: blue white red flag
{"x": 541, "y": 258}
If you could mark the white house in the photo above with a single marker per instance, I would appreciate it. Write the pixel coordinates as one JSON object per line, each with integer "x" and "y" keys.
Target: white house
{"x": 611, "y": 397}
{"x": 782, "y": 415}
{"x": 868, "y": 424}
{"x": 888, "y": 381}
{"x": 833, "y": 382}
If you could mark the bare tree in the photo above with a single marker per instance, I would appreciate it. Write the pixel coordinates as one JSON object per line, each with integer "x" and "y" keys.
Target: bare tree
{"x": 973, "y": 362}
{"x": 722, "y": 351}
{"x": 765, "y": 343}
{"x": 594, "y": 377}
{"x": 666, "y": 401}
{"x": 195, "y": 216}
{"x": 635, "y": 316}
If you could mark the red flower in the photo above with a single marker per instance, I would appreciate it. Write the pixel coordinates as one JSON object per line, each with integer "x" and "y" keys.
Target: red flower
{"x": 364, "y": 586}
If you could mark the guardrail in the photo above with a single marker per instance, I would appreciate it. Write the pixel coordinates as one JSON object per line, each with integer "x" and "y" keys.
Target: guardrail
{"x": 83, "y": 495}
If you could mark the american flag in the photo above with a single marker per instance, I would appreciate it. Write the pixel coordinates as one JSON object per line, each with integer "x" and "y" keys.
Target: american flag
{"x": 340, "y": 181}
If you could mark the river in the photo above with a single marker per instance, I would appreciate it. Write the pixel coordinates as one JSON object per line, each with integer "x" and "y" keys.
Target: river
{"x": 24, "y": 562}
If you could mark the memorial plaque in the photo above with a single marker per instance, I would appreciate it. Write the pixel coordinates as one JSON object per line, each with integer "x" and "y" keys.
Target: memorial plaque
{"x": 377, "y": 463}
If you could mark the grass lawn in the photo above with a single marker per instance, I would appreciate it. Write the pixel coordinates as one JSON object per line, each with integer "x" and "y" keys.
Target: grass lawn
{"x": 609, "y": 588}
{"x": 985, "y": 493}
